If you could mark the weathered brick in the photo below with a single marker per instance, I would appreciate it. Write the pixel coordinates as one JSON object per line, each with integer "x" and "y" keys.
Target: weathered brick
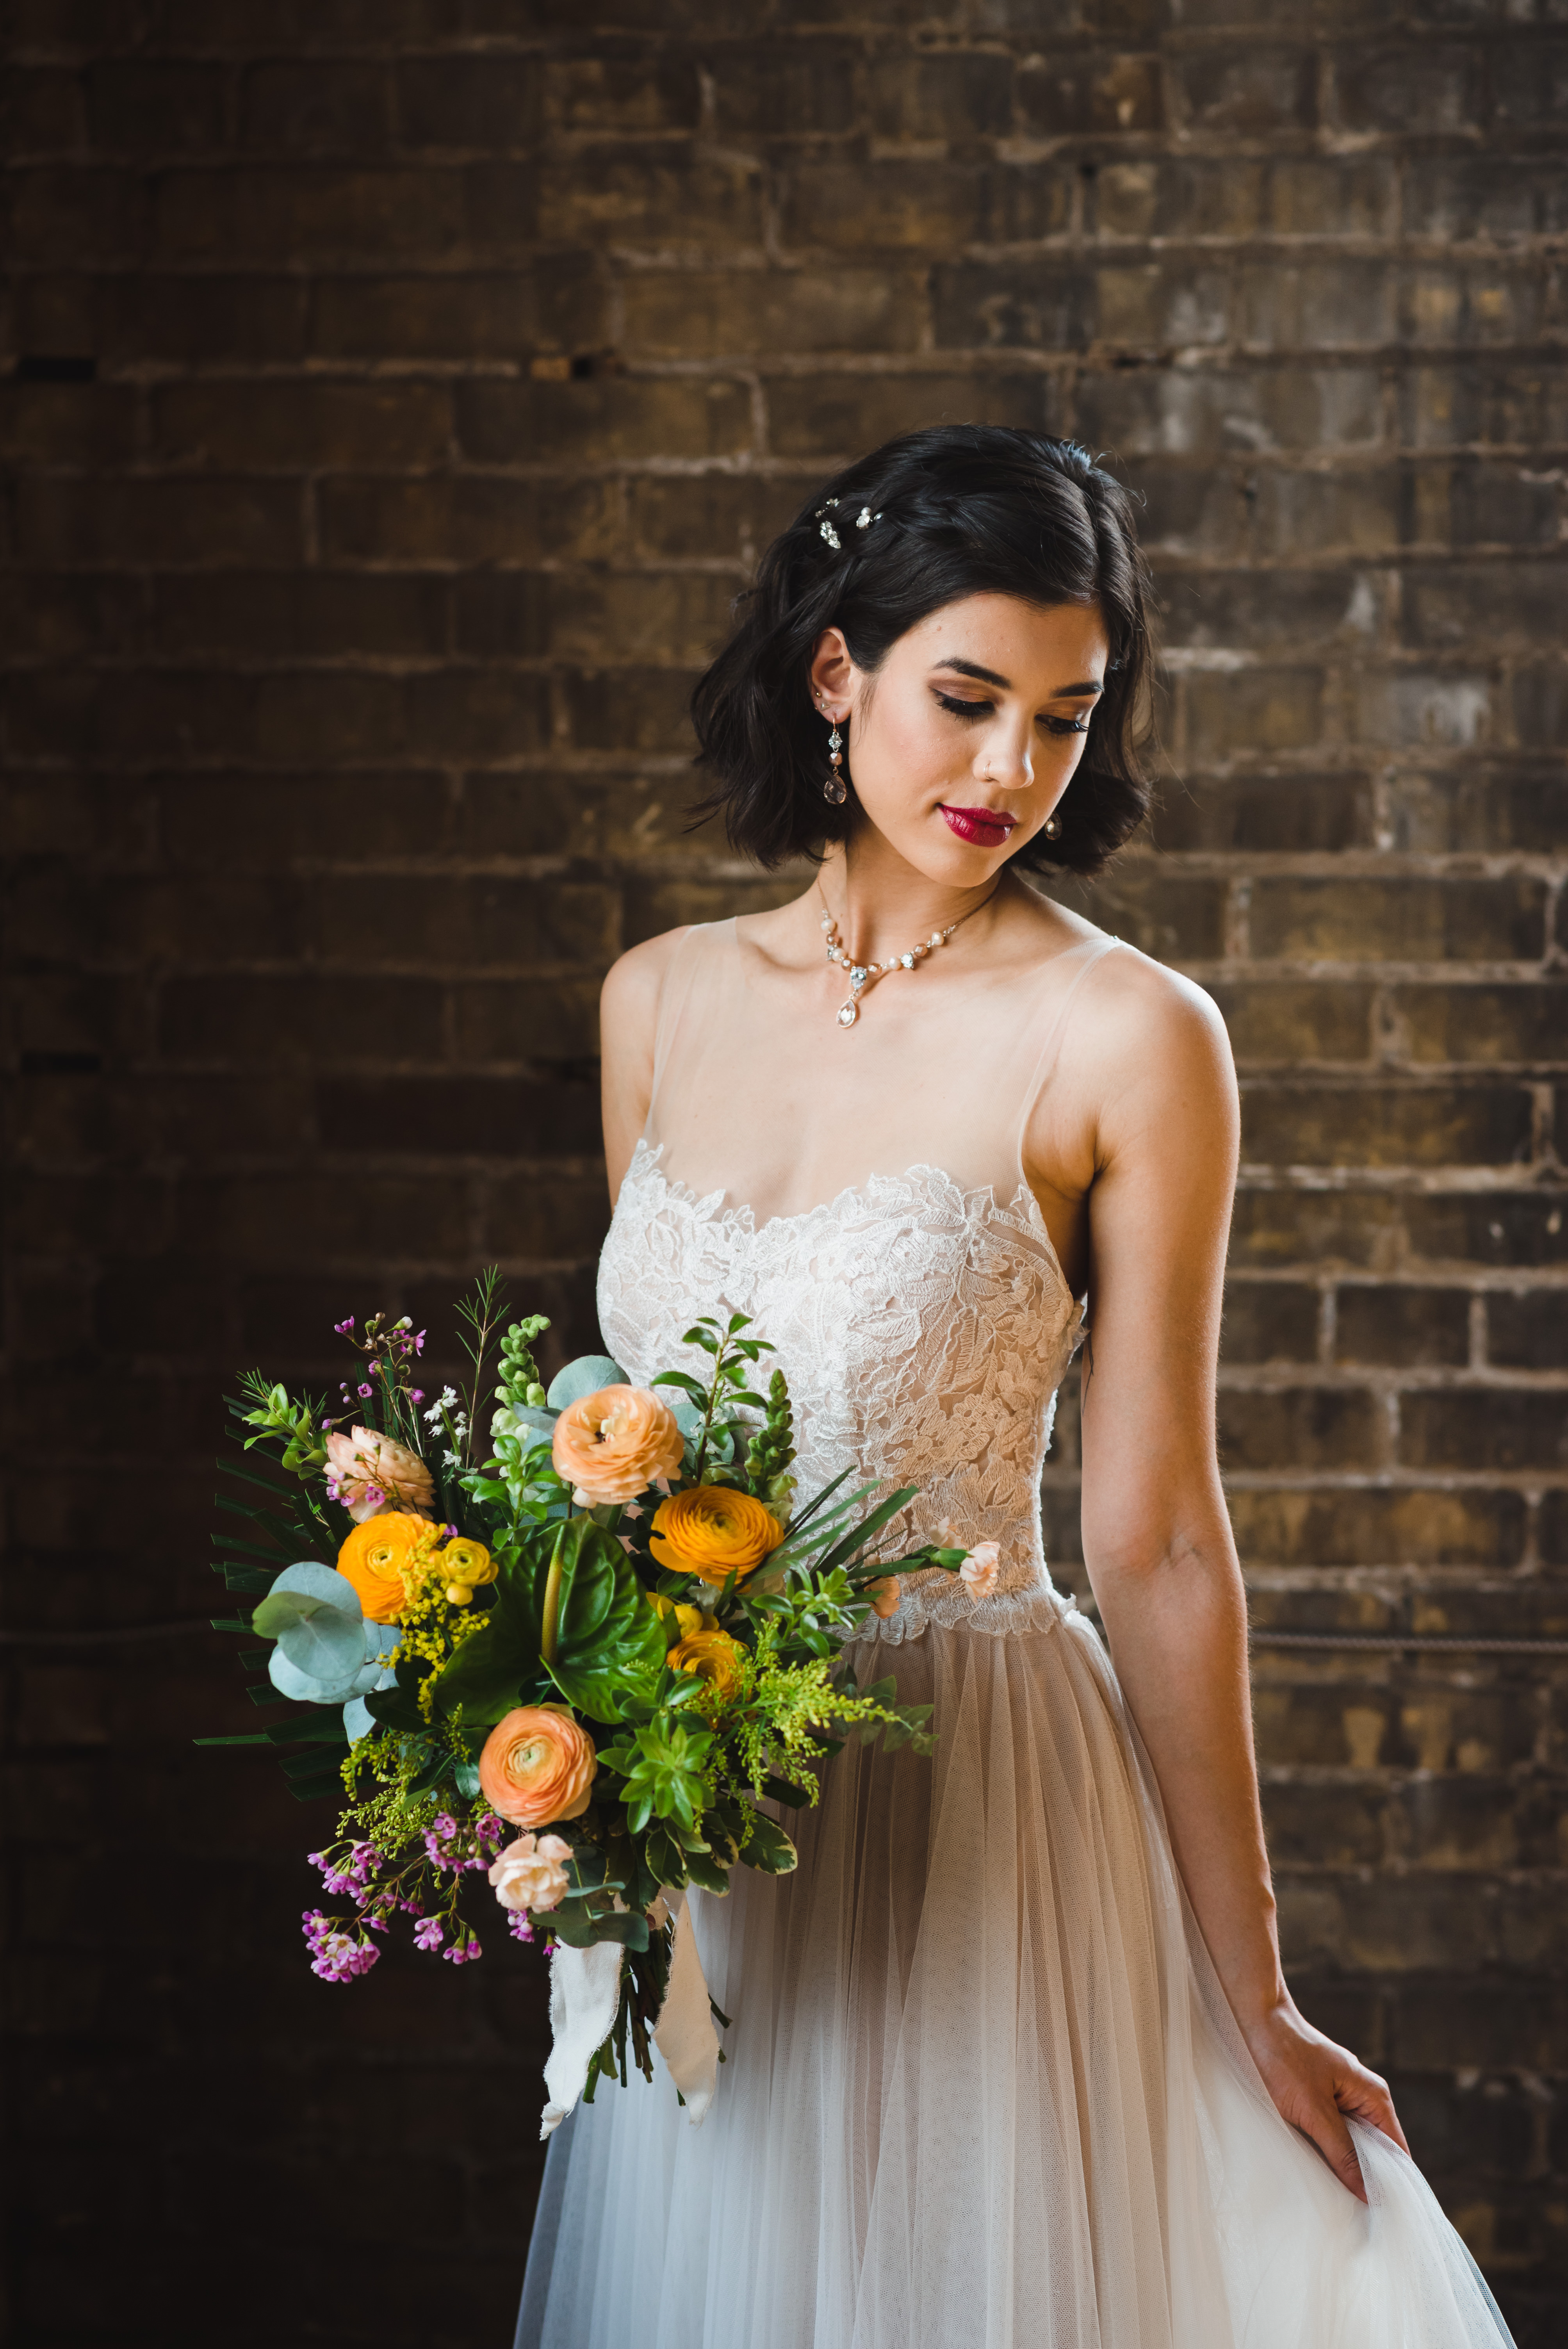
{"x": 1269, "y": 1321}
{"x": 1292, "y": 611}
{"x": 1176, "y": 917}
{"x": 1298, "y": 1427}
{"x": 596, "y": 423}
{"x": 1487, "y": 404}
{"x": 181, "y": 519}
{"x": 1480, "y": 806}
{"x": 1509, "y": 1431}
{"x": 468, "y": 517}
{"x": 1527, "y": 1330}
{"x": 661, "y": 198}
{"x": 831, "y": 416}
{"x": 369, "y": 767}
{"x": 1253, "y": 709}
{"x": 328, "y": 107}
{"x": 259, "y": 426}
{"x": 1274, "y": 812}
{"x": 274, "y": 615}
{"x": 1431, "y": 87}
{"x": 636, "y": 93}
{"x": 1289, "y": 1022}
{"x": 68, "y": 423}
{"x": 1251, "y": 95}
{"x": 1328, "y": 1125}
{"x": 1409, "y": 920}
{"x": 1213, "y": 412}
{"x": 1528, "y": 1023}
{"x": 556, "y": 305}
{"x": 1401, "y": 1324}
{"x": 704, "y": 312}
{"x": 1417, "y": 1527}
{"x": 486, "y": 100}
{"x": 1090, "y": 95}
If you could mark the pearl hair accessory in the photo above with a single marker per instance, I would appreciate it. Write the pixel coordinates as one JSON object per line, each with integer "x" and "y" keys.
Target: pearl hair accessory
{"x": 825, "y": 529}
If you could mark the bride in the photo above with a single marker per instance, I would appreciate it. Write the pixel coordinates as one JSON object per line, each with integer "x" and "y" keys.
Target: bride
{"x": 1012, "y": 2062}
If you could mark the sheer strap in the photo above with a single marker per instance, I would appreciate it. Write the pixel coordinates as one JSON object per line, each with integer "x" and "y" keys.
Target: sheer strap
{"x": 1087, "y": 956}
{"x": 685, "y": 960}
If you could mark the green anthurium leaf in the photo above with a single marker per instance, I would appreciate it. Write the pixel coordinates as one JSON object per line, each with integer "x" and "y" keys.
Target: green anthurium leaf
{"x": 608, "y": 1638}
{"x": 497, "y": 1663}
{"x": 398, "y": 1708}
{"x": 585, "y": 1376}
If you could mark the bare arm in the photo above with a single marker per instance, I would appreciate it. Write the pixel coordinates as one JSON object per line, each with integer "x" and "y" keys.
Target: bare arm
{"x": 1157, "y": 1535}
{"x": 628, "y": 1024}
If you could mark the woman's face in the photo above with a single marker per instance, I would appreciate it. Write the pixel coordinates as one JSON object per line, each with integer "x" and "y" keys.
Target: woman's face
{"x": 964, "y": 740}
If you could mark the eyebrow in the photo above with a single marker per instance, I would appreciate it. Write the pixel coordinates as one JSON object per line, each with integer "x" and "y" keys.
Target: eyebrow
{"x": 993, "y": 677}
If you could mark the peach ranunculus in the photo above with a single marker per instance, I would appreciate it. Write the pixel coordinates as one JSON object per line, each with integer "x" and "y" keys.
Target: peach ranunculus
{"x": 368, "y": 1471}
{"x": 531, "y": 1873}
{"x": 884, "y": 1595}
{"x": 713, "y": 1656}
{"x": 980, "y": 1569}
{"x": 713, "y": 1531}
{"x": 538, "y": 1765}
{"x": 610, "y": 1446}
{"x": 374, "y": 1557}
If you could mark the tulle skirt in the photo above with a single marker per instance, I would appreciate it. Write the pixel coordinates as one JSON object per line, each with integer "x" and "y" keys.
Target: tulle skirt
{"x": 982, "y": 2090}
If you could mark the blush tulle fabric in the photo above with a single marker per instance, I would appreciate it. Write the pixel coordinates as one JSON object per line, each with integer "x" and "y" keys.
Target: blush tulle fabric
{"x": 981, "y": 2088}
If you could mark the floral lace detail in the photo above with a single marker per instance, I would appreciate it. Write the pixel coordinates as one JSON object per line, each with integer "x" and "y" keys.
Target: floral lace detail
{"x": 925, "y": 1330}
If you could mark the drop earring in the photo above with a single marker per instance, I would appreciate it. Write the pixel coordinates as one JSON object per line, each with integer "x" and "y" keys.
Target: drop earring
{"x": 835, "y": 791}
{"x": 1052, "y": 827}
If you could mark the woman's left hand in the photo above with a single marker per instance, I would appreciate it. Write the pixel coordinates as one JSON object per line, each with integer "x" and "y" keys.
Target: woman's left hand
{"x": 1315, "y": 2084}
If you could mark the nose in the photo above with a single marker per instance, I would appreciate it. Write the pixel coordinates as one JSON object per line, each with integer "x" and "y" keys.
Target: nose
{"x": 1006, "y": 760}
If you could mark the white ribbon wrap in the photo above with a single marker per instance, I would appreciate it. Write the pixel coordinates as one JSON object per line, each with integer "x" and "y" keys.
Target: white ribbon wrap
{"x": 584, "y": 1994}
{"x": 684, "y": 2035}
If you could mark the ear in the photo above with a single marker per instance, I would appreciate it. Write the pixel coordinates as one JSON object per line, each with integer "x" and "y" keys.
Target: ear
{"x": 832, "y": 671}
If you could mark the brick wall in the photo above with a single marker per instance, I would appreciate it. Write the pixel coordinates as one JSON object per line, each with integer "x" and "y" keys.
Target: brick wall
{"x": 401, "y": 392}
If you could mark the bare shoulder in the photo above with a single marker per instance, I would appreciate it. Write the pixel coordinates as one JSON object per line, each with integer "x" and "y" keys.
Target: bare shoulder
{"x": 635, "y": 981}
{"x": 1145, "y": 1047}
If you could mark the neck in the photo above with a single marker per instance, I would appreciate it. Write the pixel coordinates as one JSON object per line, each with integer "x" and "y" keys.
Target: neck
{"x": 882, "y": 904}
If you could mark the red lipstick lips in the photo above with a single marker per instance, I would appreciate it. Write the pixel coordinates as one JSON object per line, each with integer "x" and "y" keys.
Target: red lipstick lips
{"x": 982, "y": 827}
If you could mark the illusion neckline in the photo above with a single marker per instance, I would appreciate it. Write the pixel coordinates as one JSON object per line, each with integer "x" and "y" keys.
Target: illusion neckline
{"x": 710, "y": 1205}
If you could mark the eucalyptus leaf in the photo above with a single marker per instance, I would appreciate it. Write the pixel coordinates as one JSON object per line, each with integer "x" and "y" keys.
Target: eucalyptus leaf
{"x": 306, "y": 1688}
{"x": 315, "y": 1615}
{"x": 585, "y": 1376}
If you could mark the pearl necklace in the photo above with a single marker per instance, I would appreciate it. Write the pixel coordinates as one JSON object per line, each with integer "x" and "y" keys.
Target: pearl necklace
{"x": 861, "y": 974}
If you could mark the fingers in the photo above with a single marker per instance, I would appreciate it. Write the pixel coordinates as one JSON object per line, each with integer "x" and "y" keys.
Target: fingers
{"x": 1332, "y": 2139}
{"x": 1366, "y": 2096}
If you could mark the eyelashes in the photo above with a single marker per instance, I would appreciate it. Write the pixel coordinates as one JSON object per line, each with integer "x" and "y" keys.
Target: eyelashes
{"x": 971, "y": 710}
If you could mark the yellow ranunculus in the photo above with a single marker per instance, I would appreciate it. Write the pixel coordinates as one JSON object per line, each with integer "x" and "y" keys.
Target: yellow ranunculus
{"x": 372, "y": 1557}
{"x": 466, "y": 1561}
{"x": 686, "y": 1619}
{"x": 713, "y": 1656}
{"x": 713, "y": 1531}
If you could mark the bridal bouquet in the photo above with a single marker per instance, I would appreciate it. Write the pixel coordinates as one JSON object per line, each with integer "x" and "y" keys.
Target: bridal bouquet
{"x": 587, "y": 1659}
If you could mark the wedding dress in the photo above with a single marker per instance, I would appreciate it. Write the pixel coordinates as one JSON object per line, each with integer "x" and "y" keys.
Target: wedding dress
{"x": 981, "y": 2089}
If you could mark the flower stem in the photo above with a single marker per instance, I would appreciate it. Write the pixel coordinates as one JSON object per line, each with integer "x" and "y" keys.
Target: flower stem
{"x": 546, "y": 1644}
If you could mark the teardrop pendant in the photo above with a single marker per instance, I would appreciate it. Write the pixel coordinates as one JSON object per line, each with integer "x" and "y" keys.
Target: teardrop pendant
{"x": 835, "y": 791}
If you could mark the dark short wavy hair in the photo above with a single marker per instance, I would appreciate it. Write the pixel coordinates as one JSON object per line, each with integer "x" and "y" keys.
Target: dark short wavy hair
{"x": 962, "y": 510}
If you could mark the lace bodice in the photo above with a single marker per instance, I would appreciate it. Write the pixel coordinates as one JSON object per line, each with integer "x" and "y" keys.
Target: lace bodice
{"x": 923, "y": 1330}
